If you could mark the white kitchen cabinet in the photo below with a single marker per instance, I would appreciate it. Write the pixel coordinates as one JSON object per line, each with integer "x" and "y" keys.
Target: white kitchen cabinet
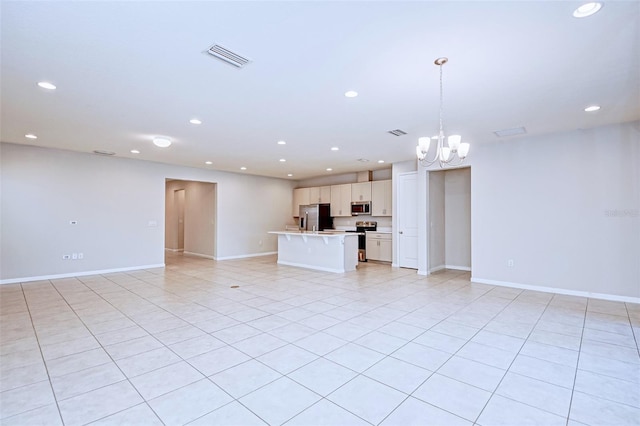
{"x": 361, "y": 191}
{"x": 300, "y": 198}
{"x": 379, "y": 246}
{"x": 320, "y": 195}
{"x": 381, "y": 198}
{"x": 341, "y": 200}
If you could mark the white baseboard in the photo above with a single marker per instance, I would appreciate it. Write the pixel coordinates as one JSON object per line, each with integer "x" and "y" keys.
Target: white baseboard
{"x": 316, "y": 268}
{"x": 79, "y": 274}
{"x": 244, "y": 256}
{"x": 458, "y": 268}
{"x": 603, "y": 296}
{"x": 206, "y": 256}
{"x": 454, "y": 267}
{"x": 436, "y": 269}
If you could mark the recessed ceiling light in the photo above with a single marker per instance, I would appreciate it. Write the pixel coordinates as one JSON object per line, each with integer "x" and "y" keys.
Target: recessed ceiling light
{"x": 329, "y": 169}
{"x": 135, "y": 151}
{"x": 195, "y": 121}
{"x": 208, "y": 162}
{"x": 289, "y": 174}
{"x": 592, "y": 108}
{"x": 380, "y": 161}
{"x": 587, "y": 9}
{"x": 282, "y": 160}
{"x": 46, "y": 85}
{"x": 282, "y": 143}
{"x": 351, "y": 94}
{"x": 30, "y": 136}
{"x": 161, "y": 142}
{"x": 335, "y": 148}
{"x": 243, "y": 168}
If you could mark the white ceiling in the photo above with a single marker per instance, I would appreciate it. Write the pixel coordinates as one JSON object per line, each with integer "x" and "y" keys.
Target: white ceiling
{"x": 129, "y": 71}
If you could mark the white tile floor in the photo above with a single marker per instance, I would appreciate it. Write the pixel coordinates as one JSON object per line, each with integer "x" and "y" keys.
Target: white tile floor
{"x": 290, "y": 346}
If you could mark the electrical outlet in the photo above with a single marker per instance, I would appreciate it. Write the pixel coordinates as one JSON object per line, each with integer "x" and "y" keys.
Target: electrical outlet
{"x": 510, "y": 263}
{"x": 66, "y": 256}
{"x": 74, "y": 256}
{"x": 73, "y": 222}
{"x": 80, "y": 255}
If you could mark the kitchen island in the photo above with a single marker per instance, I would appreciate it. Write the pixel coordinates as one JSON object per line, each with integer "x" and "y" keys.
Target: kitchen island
{"x": 330, "y": 251}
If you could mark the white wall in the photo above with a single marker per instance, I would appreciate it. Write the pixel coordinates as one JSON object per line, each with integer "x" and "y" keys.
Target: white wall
{"x": 564, "y": 207}
{"x": 457, "y": 210}
{"x": 114, "y": 200}
{"x": 382, "y": 174}
{"x": 437, "y": 239}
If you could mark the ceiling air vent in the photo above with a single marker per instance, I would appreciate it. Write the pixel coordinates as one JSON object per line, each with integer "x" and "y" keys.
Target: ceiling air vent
{"x": 510, "y": 132}
{"x": 228, "y": 56}
{"x": 102, "y": 152}
{"x": 397, "y": 132}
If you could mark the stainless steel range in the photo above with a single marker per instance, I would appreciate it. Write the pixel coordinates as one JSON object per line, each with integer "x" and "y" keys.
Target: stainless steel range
{"x": 361, "y": 228}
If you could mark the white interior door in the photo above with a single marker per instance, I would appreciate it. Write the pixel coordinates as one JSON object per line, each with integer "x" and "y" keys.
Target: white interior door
{"x": 407, "y": 221}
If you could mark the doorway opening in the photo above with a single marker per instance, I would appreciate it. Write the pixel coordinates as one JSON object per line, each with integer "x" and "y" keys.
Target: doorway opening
{"x": 449, "y": 227}
{"x": 190, "y": 217}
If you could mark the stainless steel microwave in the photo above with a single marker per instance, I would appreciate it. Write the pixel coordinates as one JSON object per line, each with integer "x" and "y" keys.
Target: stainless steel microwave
{"x": 360, "y": 207}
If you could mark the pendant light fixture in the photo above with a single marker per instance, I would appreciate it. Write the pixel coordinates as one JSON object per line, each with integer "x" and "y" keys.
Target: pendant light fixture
{"x": 455, "y": 152}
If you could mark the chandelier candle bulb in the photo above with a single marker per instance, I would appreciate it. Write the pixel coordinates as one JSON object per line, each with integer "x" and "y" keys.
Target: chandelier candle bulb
{"x": 463, "y": 150}
{"x": 454, "y": 142}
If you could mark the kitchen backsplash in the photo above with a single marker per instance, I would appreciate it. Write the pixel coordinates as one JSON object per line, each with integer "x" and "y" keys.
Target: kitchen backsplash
{"x": 350, "y": 222}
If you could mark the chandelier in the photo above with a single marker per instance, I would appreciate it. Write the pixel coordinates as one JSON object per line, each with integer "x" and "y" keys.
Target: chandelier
{"x": 454, "y": 153}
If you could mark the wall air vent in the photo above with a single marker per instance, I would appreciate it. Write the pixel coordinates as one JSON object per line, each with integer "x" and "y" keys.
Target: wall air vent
{"x": 510, "y": 132}
{"x": 228, "y": 56}
{"x": 397, "y": 132}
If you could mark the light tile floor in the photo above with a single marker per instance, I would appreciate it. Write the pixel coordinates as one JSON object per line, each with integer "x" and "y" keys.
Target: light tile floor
{"x": 178, "y": 345}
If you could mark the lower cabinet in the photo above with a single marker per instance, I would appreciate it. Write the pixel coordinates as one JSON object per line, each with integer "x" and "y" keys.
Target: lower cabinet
{"x": 379, "y": 246}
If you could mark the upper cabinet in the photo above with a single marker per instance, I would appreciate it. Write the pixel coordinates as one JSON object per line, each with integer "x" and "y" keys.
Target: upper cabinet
{"x": 320, "y": 195}
{"x": 300, "y": 198}
{"x": 381, "y": 198}
{"x": 341, "y": 200}
{"x": 361, "y": 191}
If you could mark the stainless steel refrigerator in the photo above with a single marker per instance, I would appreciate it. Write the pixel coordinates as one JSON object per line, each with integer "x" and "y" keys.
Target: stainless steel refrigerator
{"x": 315, "y": 217}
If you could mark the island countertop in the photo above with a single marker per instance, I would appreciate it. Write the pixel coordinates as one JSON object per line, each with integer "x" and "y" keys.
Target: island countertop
{"x": 331, "y": 251}
{"x": 315, "y": 233}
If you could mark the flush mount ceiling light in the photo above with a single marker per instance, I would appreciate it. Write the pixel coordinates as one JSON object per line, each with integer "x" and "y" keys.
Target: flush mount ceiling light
{"x": 161, "y": 142}
{"x": 592, "y": 108}
{"x": 335, "y": 148}
{"x": 195, "y": 121}
{"x": 30, "y": 136}
{"x": 351, "y": 94}
{"x": 282, "y": 143}
{"x": 135, "y": 151}
{"x": 47, "y": 85}
{"x": 587, "y": 9}
{"x": 443, "y": 154}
